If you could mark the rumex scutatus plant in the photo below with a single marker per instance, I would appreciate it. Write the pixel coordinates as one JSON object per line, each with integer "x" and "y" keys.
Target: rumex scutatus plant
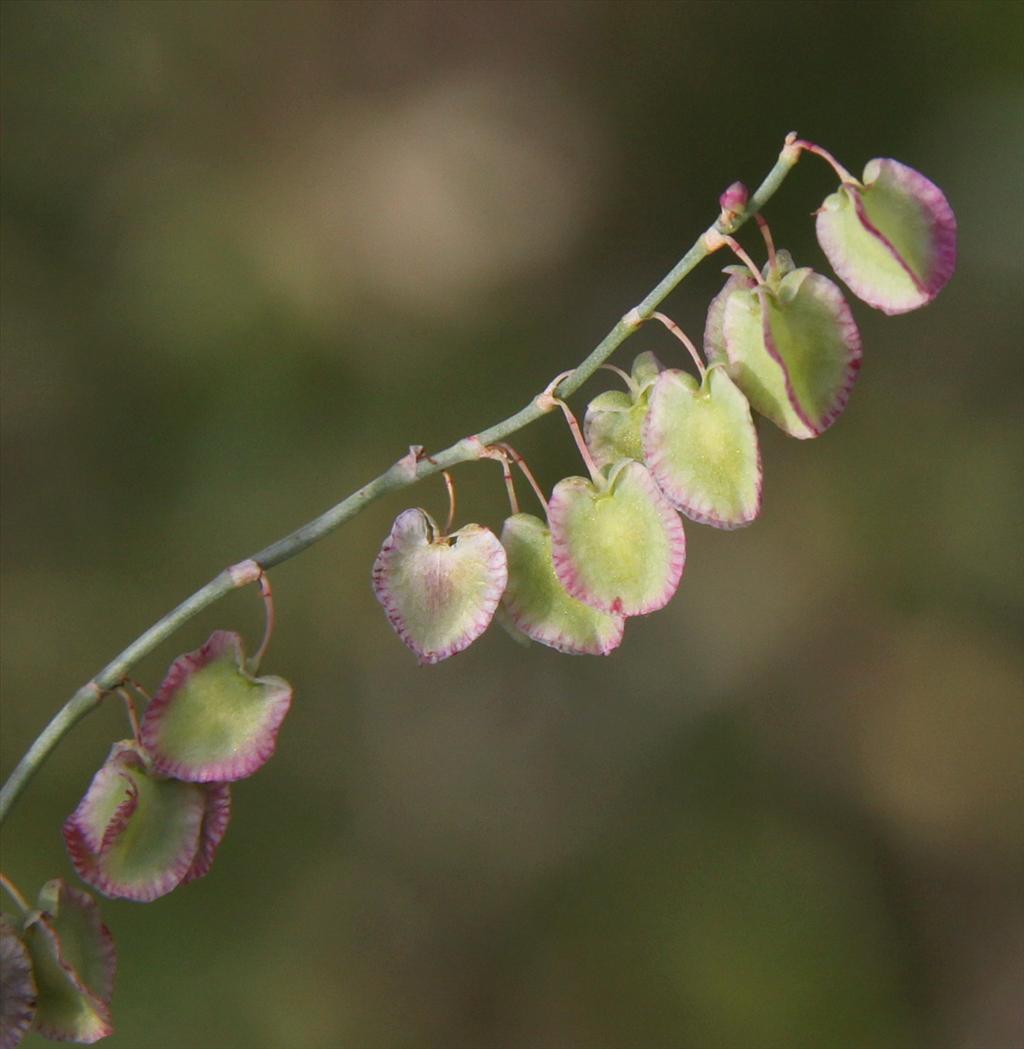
{"x": 780, "y": 341}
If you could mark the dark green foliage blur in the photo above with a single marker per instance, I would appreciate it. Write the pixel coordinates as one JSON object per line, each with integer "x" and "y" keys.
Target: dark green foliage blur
{"x": 252, "y": 251}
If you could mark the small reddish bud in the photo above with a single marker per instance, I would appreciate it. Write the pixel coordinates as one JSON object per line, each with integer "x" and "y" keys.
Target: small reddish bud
{"x": 733, "y": 201}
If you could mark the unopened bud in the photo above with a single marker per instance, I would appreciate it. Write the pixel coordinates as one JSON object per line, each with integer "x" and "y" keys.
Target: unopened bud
{"x": 733, "y": 200}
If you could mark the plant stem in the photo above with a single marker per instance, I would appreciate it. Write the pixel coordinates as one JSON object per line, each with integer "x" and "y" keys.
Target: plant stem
{"x": 12, "y": 891}
{"x": 398, "y": 476}
{"x": 577, "y": 435}
{"x": 738, "y": 250}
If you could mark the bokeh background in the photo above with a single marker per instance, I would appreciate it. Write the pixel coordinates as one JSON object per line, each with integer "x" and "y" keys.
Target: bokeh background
{"x": 252, "y": 251}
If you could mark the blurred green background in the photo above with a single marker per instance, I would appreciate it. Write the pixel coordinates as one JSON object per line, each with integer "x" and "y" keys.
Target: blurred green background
{"x": 252, "y": 251}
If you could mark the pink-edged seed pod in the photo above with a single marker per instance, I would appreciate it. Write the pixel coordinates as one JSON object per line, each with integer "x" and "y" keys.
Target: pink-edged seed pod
{"x": 891, "y": 238}
{"x": 211, "y": 721}
{"x": 439, "y": 592}
{"x": 137, "y": 834}
{"x": 617, "y": 546}
{"x": 537, "y": 604}
{"x": 702, "y": 449}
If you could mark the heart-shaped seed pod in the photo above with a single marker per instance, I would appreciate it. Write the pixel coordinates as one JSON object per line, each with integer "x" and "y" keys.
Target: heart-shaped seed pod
{"x": 74, "y": 962}
{"x": 137, "y": 835}
{"x": 791, "y": 345}
{"x": 537, "y": 603}
{"x": 439, "y": 592}
{"x": 701, "y": 448}
{"x": 211, "y": 720}
{"x": 617, "y": 546}
{"x": 892, "y": 239}
{"x": 614, "y": 420}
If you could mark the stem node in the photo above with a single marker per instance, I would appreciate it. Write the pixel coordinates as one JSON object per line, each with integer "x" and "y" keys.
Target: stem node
{"x": 245, "y": 572}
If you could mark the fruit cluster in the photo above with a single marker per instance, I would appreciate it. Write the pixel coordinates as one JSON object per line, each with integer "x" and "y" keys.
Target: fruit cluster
{"x": 151, "y": 820}
{"x": 780, "y": 341}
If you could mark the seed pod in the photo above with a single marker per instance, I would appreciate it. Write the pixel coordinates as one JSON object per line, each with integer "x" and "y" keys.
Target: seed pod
{"x": 790, "y": 343}
{"x": 74, "y": 961}
{"x": 137, "y": 835}
{"x": 618, "y": 546}
{"x": 537, "y": 603}
{"x": 701, "y": 448}
{"x": 439, "y": 592}
{"x": 892, "y": 238}
{"x": 211, "y": 720}
{"x": 614, "y": 420}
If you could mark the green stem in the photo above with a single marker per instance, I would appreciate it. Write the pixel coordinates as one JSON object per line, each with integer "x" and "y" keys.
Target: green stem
{"x": 401, "y": 475}
{"x": 12, "y": 891}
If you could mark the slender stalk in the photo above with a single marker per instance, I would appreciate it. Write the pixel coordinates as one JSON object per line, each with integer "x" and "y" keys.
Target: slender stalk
{"x": 450, "y": 487}
{"x": 500, "y": 456}
{"x": 138, "y": 689}
{"x": 129, "y": 709}
{"x": 548, "y": 401}
{"x": 684, "y": 339}
{"x": 400, "y": 475}
{"x": 844, "y": 175}
{"x": 627, "y": 379}
{"x": 577, "y": 435}
{"x": 269, "y": 619}
{"x": 769, "y": 243}
{"x": 527, "y": 473}
{"x": 740, "y": 252}
{"x": 12, "y": 891}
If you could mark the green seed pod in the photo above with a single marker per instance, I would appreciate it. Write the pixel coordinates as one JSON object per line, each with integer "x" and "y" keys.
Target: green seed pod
{"x": 617, "y": 546}
{"x": 891, "y": 238}
{"x": 701, "y": 448}
{"x": 211, "y": 720}
{"x": 790, "y": 344}
{"x": 536, "y": 602}
{"x": 614, "y": 421}
{"x": 74, "y": 962}
{"x": 137, "y": 835}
